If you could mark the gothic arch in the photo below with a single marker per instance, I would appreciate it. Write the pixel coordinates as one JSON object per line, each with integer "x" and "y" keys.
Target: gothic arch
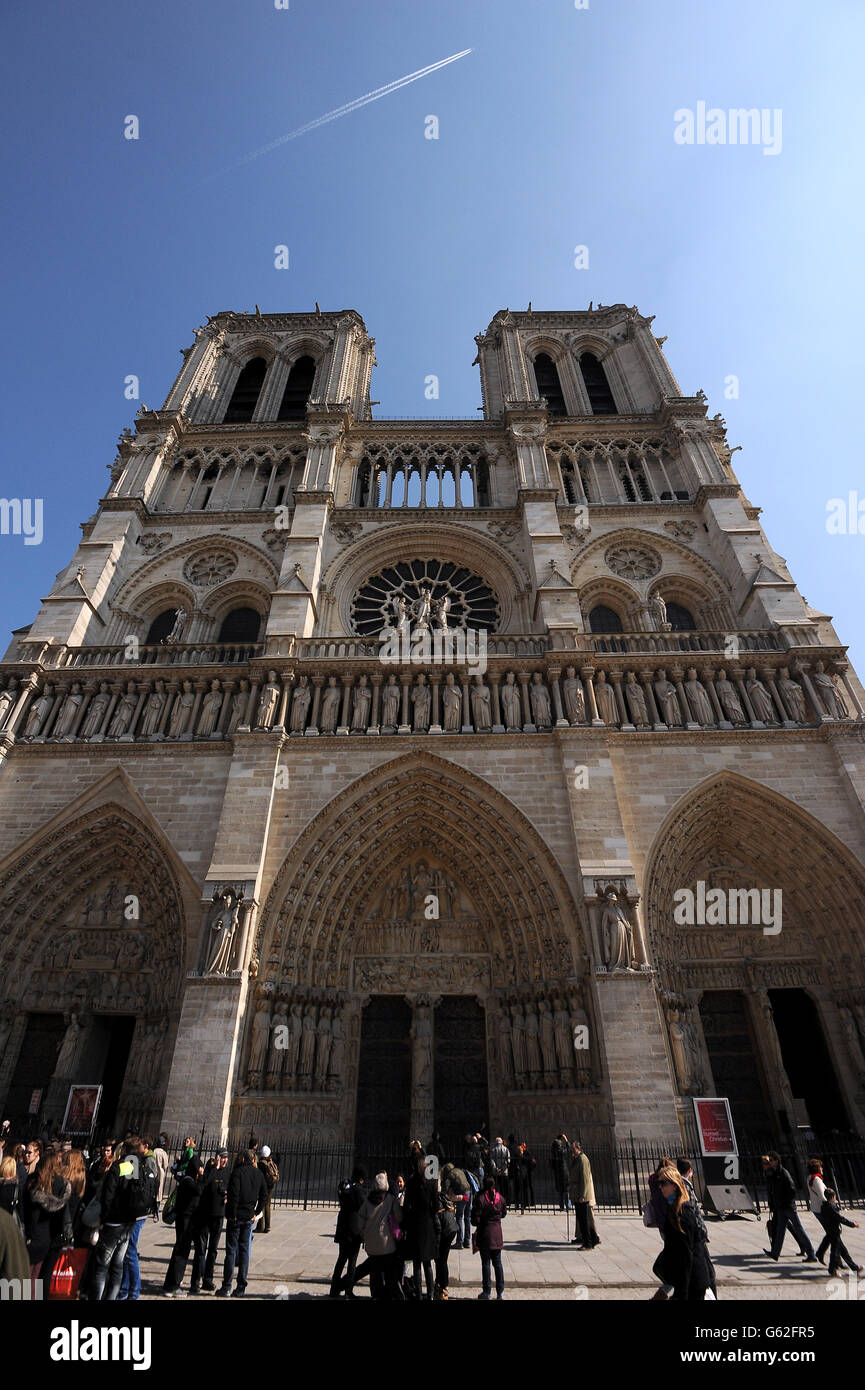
{"x": 327, "y": 882}
{"x": 614, "y": 594}
{"x": 444, "y": 541}
{"x": 166, "y": 571}
{"x": 690, "y": 567}
{"x": 240, "y": 593}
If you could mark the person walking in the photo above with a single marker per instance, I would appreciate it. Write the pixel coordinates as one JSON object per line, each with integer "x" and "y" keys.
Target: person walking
{"x": 210, "y": 1214}
{"x": 581, "y": 1188}
{"x": 457, "y": 1190}
{"x": 832, "y": 1221}
{"x": 247, "y": 1194}
{"x": 351, "y": 1198}
{"x": 128, "y": 1192}
{"x": 500, "y": 1162}
{"x": 267, "y": 1167}
{"x": 381, "y": 1217}
{"x": 130, "y": 1283}
{"x": 684, "y": 1262}
{"x": 816, "y": 1198}
{"x": 489, "y": 1209}
{"x": 655, "y": 1214}
{"x": 560, "y": 1154}
{"x": 160, "y": 1158}
{"x": 188, "y": 1231}
{"x": 781, "y": 1192}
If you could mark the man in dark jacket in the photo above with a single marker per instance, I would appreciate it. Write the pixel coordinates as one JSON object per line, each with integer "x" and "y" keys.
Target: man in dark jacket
{"x": 210, "y": 1213}
{"x": 781, "y": 1191}
{"x": 348, "y": 1234}
{"x": 187, "y": 1230}
{"x": 118, "y": 1219}
{"x": 247, "y": 1194}
{"x": 560, "y": 1154}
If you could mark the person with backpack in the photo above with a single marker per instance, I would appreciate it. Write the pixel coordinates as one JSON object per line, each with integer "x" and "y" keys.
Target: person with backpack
{"x": 130, "y": 1284}
{"x": 446, "y": 1231}
{"x": 349, "y": 1225}
{"x": 500, "y": 1162}
{"x": 128, "y": 1193}
{"x": 267, "y": 1166}
{"x": 210, "y": 1213}
{"x": 188, "y": 1231}
{"x": 457, "y": 1190}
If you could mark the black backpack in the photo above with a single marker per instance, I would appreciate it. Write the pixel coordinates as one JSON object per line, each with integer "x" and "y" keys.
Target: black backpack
{"x": 139, "y": 1190}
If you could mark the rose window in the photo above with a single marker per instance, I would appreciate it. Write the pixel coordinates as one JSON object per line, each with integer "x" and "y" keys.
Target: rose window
{"x": 633, "y": 561}
{"x": 473, "y": 604}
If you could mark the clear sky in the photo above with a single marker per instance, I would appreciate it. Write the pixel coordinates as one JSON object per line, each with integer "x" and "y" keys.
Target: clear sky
{"x": 557, "y": 130}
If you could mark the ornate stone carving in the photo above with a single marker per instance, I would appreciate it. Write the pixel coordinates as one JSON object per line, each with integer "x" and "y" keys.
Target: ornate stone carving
{"x": 151, "y": 542}
{"x": 268, "y": 702}
{"x": 633, "y": 561}
{"x": 222, "y": 924}
{"x": 209, "y": 567}
{"x": 833, "y": 701}
{"x": 729, "y": 700}
{"x": 617, "y": 934}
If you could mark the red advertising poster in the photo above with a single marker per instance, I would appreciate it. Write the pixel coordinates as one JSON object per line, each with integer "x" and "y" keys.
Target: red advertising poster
{"x": 715, "y": 1123}
{"x": 81, "y": 1108}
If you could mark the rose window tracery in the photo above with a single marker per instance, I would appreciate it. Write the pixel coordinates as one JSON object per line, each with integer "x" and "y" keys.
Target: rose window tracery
{"x": 210, "y": 567}
{"x": 473, "y": 604}
{"x": 633, "y": 561}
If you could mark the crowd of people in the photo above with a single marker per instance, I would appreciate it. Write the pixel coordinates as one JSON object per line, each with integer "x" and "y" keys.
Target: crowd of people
{"x": 70, "y": 1221}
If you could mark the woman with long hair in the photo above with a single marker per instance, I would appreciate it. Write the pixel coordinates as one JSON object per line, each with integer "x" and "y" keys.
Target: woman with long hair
{"x": 9, "y": 1184}
{"x": 44, "y": 1202}
{"x": 488, "y": 1211}
{"x": 684, "y": 1262}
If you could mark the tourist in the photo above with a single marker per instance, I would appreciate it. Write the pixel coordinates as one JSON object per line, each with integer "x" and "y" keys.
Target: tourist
{"x": 528, "y": 1164}
{"x": 419, "y": 1210}
{"x": 184, "y": 1158}
{"x": 267, "y": 1167}
{"x": 130, "y": 1284}
{"x": 14, "y": 1259}
{"x": 781, "y": 1192}
{"x": 188, "y": 1231}
{"x": 44, "y": 1214}
{"x": 473, "y": 1158}
{"x": 247, "y": 1194}
{"x": 500, "y": 1161}
{"x": 210, "y": 1214}
{"x": 437, "y": 1148}
{"x": 98, "y": 1171}
{"x": 581, "y": 1188}
{"x": 488, "y": 1211}
{"x": 9, "y": 1185}
{"x": 655, "y": 1214}
{"x": 816, "y": 1198}
{"x": 686, "y": 1173}
{"x": 560, "y": 1155}
{"x": 351, "y": 1198}
{"x": 684, "y": 1262}
{"x": 128, "y": 1192}
{"x": 447, "y": 1231}
{"x": 160, "y": 1157}
{"x": 832, "y": 1221}
{"x": 457, "y": 1189}
{"x": 381, "y": 1217}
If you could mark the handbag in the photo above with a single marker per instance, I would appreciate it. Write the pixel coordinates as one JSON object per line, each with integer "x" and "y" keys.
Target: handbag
{"x": 92, "y": 1213}
{"x": 66, "y": 1274}
{"x": 650, "y": 1217}
{"x": 168, "y": 1212}
{"x": 475, "y": 1246}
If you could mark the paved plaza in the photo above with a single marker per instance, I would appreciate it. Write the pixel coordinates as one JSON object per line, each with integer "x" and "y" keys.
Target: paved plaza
{"x": 296, "y": 1258}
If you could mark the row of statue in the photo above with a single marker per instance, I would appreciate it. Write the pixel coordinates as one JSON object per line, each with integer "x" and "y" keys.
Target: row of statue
{"x": 300, "y": 1047}
{"x": 545, "y": 1044}
{"x": 512, "y": 704}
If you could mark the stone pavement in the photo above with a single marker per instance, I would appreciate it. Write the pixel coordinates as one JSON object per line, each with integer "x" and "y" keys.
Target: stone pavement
{"x": 296, "y": 1258}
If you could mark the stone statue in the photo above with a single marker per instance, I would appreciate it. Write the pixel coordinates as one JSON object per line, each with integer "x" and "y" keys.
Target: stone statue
{"x": 679, "y": 1049}
{"x": 222, "y": 923}
{"x": 307, "y": 1047}
{"x": 518, "y": 1042}
{"x": 506, "y": 1054}
{"x": 322, "y": 1049}
{"x": 39, "y": 712}
{"x": 579, "y": 1019}
{"x": 68, "y": 713}
{"x": 636, "y": 701}
{"x": 300, "y": 706}
{"x": 452, "y": 704}
{"x": 276, "y": 1053}
{"x": 481, "y": 714}
{"x": 659, "y": 613}
{"x": 533, "y": 1050}
{"x": 421, "y": 609}
{"x": 67, "y": 1057}
{"x": 259, "y": 1046}
{"x": 95, "y": 711}
{"x": 360, "y": 709}
{"x": 124, "y": 712}
{"x": 390, "y": 704}
{"x": 420, "y": 698}
{"x": 792, "y": 696}
{"x": 761, "y": 700}
{"x": 540, "y": 700}
{"x": 239, "y": 702}
{"x": 699, "y": 702}
{"x": 442, "y": 608}
{"x": 729, "y": 699}
{"x": 7, "y": 700}
{"x": 176, "y": 633}
{"x": 292, "y": 1049}
{"x": 564, "y": 1040}
{"x": 605, "y": 698}
{"x": 575, "y": 700}
{"x": 547, "y": 1032}
{"x": 851, "y": 1034}
{"x": 330, "y": 706}
{"x": 400, "y": 608}
{"x": 617, "y": 934}
{"x": 153, "y": 711}
{"x": 268, "y": 702}
{"x": 181, "y": 714}
{"x": 336, "y": 1066}
{"x": 511, "y": 702}
{"x": 421, "y": 1034}
{"x": 668, "y": 701}
{"x": 829, "y": 693}
{"x": 210, "y": 707}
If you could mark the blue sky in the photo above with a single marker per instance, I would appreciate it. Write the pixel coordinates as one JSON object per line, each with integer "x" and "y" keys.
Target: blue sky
{"x": 556, "y": 131}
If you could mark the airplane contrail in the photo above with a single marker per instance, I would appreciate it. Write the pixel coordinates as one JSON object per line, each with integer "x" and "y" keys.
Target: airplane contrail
{"x": 349, "y": 106}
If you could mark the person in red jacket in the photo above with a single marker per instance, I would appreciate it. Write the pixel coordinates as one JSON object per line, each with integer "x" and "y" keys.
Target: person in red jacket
{"x": 488, "y": 1211}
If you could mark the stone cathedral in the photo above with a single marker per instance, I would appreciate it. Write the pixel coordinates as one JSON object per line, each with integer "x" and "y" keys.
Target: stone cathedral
{"x": 358, "y": 776}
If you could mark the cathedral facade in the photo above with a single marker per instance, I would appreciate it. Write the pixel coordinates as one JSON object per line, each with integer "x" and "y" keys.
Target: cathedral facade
{"x": 361, "y": 777}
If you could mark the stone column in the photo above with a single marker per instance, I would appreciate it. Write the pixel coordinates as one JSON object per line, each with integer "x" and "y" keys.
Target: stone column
{"x": 28, "y": 685}
{"x": 225, "y": 711}
{"x": 554, "y": 674}
{"x": 12, "y": 1030}
{"x": 587, "y": 673}
{"x": 467, "y": 727}
{"x": 129, "y": 736}
{"x": 251, "y": 707}
{"x": 282, "y": 710}
{"x": 435, "y": 723}
{"x": 376, "y": 681}
{"x": 739, "y": 677}
{"x": 498, "y": 726}
{"x": 528, "y": 727}
{"x": 677, "y": 674}
{"x": 422, "y": 1079}
{"x": 765, "y": 1033}
{"x": 706, "y": 677}
{"x": 405, "y": 682}
{"x": 646, "y": 679}
{"x": 312, "y": 729}
{"x": 802, "y": 669}
{"x": 624, "y": 717}
{"x": 767, "y": 675}
{"x": 843, "y": 671}
{"x": 347, "y": 683}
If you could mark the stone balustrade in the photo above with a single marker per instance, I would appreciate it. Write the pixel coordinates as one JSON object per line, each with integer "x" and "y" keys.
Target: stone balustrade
{"x": 493, "y": 697}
